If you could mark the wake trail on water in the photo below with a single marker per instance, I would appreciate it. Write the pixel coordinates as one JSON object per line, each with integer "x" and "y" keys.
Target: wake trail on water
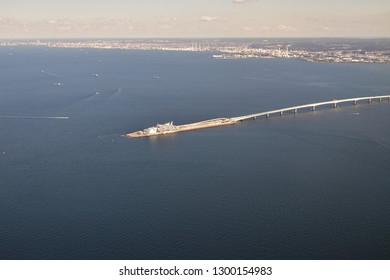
{"x": 49, "y": 74}
{"x": 34, "y": 117}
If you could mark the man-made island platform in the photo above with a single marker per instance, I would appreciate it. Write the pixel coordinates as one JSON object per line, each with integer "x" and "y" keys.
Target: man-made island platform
{"x": 168, "y": 128}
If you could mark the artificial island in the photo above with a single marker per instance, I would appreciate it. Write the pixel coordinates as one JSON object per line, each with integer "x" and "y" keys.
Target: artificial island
{"x": 169, "y": 128}
{"x": 330, "y": 50}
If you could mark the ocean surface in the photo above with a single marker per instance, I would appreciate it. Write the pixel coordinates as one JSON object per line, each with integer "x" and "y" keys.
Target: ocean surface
{"x": 315, "y": 185}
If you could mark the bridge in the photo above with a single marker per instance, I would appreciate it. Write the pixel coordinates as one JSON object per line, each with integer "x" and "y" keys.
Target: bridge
{"x": 334, "y": 103}
{"x": 170, "y": 128}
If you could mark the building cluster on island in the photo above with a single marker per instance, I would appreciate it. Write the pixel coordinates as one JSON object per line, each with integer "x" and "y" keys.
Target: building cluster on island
{"x": 319, "y": 50}
{"x": 160, "y": 129}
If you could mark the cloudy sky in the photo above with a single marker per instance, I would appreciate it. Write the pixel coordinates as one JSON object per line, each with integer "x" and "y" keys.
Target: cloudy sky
{"x": 193, "y": 18}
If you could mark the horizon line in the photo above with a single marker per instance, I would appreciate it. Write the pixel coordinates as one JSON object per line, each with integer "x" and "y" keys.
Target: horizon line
{"x": 207, "y": 37}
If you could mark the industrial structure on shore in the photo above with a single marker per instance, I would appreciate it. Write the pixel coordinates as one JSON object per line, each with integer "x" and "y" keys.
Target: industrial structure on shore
{"x": 168, "y": 128}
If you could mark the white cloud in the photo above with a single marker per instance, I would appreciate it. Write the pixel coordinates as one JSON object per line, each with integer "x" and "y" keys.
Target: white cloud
{"x": 264, "y": 28}
{"x": 286, "y": 28}
{"x": 241, "y": 1}
{"x": 310, "y": 18}
{"x": 66, "y": 27}
{"x": 208, "y": 19}
{"x": 326, "y": 28}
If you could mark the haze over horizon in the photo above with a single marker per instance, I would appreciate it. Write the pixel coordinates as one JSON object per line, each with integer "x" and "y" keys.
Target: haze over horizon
{"x": 190, "y": 19}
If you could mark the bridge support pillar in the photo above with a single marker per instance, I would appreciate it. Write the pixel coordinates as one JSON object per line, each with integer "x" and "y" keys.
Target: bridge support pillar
{"x": 313, "y": 108}
{"x": 355, "y": 102}
{"x": 281, "y": 113}
{"x": 370, "y": 100}
{"x": 254, "y": 118}
{"x": 295, "y": 111}
{"x": 380, "y": 99}
{"x": 334, "y": 105}
{"x": 267, "y": 116}
{"x": 388, "y": 98}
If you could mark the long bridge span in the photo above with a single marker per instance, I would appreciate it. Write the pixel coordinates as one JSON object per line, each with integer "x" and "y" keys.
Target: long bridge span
{"x": 334, "y": 103}
{"x": 168, "y": 128}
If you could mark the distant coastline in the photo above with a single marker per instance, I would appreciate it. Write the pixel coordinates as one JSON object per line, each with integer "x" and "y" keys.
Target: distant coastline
{"x": 330, "y": 50}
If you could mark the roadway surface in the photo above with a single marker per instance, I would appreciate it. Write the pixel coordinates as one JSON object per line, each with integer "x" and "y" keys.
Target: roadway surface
{"x": 311, "y": 106}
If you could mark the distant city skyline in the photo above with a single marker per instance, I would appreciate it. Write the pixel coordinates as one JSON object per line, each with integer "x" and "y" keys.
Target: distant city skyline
{"x": 188, "y": 19}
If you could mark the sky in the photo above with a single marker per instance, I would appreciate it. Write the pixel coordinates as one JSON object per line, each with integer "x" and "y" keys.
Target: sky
{"x": 193, "y": 18}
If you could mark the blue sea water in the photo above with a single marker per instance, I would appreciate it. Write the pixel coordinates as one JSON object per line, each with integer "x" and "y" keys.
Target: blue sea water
{"x": 314, "y": 185}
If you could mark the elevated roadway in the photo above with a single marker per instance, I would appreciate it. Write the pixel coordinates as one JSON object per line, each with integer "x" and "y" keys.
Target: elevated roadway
{"x": 311, "y": 106}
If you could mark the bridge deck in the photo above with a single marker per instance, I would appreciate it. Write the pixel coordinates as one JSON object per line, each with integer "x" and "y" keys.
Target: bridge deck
{"x": 312, "y": 105}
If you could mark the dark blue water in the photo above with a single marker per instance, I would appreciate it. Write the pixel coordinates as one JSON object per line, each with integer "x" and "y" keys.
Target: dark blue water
{"x": 311, "y": 186}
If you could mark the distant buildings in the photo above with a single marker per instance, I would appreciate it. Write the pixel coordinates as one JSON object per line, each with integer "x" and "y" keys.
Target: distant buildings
{"x": 232, "y": 48}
